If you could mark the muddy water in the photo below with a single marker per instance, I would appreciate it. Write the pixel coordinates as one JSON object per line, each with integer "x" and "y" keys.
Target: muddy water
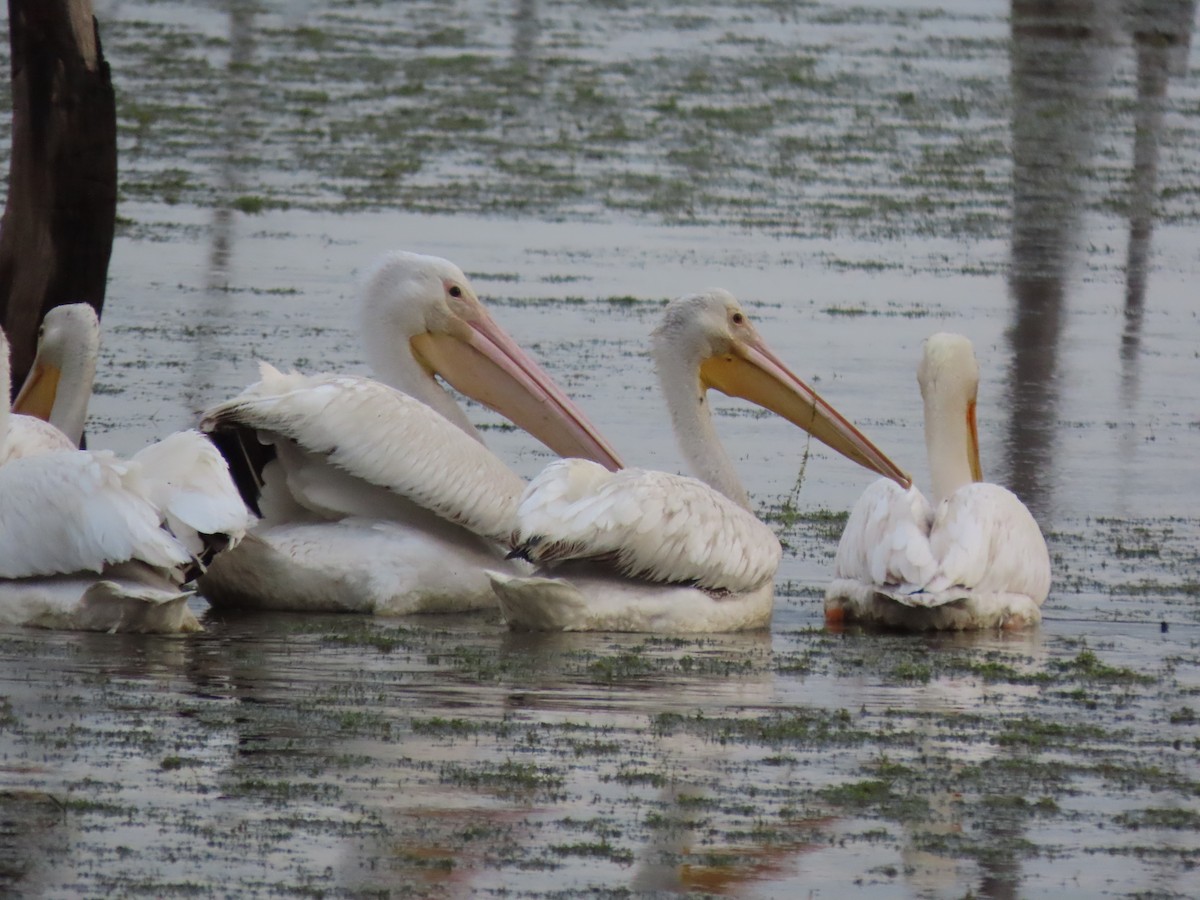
{"x": 861, "y": 177}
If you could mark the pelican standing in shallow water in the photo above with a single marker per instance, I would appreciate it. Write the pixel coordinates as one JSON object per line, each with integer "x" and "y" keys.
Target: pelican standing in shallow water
{"x": 640, "y": 550}
{"x": 975, "y": 558}
{"x": 92, "y": 542}
{"x": 52, "y": 404}
{"x": 379, "y": 497}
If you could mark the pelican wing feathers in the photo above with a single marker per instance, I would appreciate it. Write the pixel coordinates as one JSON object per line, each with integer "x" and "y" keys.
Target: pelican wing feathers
{"x": 79, "y": 511}
{"x": 189, "y": 481}
{"x": 383, "y": 437}
{"x": 652, "y": 525}
{"x": 980, "y": 540}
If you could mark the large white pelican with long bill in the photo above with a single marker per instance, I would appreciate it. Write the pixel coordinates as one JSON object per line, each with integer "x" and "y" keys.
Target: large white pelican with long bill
{"x": 379, "y": 496}
{"x": 93, "y": 542}
{"x": 640, "y": 550}
{"x": 974, "y": 558}
{"x": 52, "y": 405}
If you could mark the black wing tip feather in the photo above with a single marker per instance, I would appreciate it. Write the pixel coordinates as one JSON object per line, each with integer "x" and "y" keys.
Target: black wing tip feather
{"x": 246, "y": 457}
{"x": 525, "y": 549}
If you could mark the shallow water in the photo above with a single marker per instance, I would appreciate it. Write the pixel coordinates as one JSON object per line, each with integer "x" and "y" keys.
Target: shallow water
{"x": 861, "y": 177}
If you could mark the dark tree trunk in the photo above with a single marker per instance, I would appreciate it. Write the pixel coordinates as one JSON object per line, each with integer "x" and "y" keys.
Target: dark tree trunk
{"x": 56, "y": 235}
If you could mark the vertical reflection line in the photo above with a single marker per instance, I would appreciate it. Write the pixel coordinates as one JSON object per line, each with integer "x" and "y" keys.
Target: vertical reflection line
{"x": 525, "y": 36}
{"x": 1059, "y": 62}
{"x": 237, "y": 102}
{"x": 1151, "y": 89}
{"x": 1162, "y": 31}
{"x": 233, "y": 133}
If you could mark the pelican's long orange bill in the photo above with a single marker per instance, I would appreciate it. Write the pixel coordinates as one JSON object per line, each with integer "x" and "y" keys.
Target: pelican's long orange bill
{"x": 973, "y": 444}
{"x": 37, "y": 394}
{"x": 487, "y": 365}
{"x": 754, "y": 373}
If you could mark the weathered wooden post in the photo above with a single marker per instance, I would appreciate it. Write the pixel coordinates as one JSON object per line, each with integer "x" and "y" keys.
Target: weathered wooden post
{"x": 57, "y": 231}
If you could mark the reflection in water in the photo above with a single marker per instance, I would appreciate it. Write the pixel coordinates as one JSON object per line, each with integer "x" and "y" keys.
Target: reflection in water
{"x": 943, "y": 850}
{"x": 525, "y": 35}
{"x": 335, "y": 754}
{"x": 1061, "y": 59}
{"x": 235, "y": 110}
{"x": 677, "y": 857}
{"x": 449, "y": 746}
{"x": 1162, "y": 32}
{"x": 236, "y": 104}
{"x": 999, "y": 867}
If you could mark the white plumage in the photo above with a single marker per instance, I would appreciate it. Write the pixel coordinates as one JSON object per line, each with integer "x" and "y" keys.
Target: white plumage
{"x": 188, "y": 481}
{"x": 645, "y": 522}
{"x": 639, "y": 550}
{"x": 51, "y": 406}
{"x": 84, "y": 536}
{"x": 79, "y": 511}
{"x": 358, "y": 564}
{"x": 58, "y": 388}
{"x": 382, "y": 497}
{"x": 976, "y": 560}
{"x": 380, "y": 437}
{"x": 30, "y": 436}
{"x": 91, "y": 541}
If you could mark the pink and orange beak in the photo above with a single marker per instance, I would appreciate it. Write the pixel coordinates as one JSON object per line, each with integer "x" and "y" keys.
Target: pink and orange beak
{"x": 477, "y": 357}
{"x": 36, "y": 397}
{"x": 750, "y": 370}
{"x": 973, "y": 444}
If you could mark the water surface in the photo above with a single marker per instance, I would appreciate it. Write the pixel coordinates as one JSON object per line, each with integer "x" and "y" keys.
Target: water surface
{"x": 860, "y": 177}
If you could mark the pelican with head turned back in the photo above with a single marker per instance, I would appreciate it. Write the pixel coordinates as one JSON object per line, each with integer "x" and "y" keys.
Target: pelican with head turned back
{"x": 52, "y": 405}
{"x": 974, "y": 558}
{"x": 641, "y": 550}
{"x": 380, "y": 496}
{"x": 89, "y": 541}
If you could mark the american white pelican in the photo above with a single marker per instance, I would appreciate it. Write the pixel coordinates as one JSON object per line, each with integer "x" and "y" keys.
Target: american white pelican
{"x": 640, "y": 550}
{"x": 52, "y": 404}
{"x": 89, "y": 541}
{"x": 974, "y": 559}
{"x": 380, "y": 497}
{"x": 59, "y": 385}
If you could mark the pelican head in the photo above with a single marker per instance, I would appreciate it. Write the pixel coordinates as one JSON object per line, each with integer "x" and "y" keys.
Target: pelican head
{"x": 422, "y": 318}
{"x": 713, "y": 336}
{"x": 949, "y": 378}
{"x": 59, "y": 385}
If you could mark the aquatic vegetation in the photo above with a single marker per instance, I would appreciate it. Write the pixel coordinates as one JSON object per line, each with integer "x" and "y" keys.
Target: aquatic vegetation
{"x": 853, "y": 167}
{"x": 453, "y": 119}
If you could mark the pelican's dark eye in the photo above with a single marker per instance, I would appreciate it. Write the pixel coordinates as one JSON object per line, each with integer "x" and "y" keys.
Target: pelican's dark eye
{"x": 738, "y": 318}
{"x": 455, "y": 291}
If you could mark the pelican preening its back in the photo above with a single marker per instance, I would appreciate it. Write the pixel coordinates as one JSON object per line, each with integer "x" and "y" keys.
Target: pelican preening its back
{"x": 91, "y": 541}
{"x": 52, "y": 405}
{"x": 975, "y": 558}
{"x": 380, "y": 497}
{"x": 59, "y": 385}
{"x": 640, "y": 550}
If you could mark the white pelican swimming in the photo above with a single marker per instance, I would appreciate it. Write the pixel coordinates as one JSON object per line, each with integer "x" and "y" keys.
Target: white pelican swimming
{"x": 52, "y": 404}
{"x": 974, "y": 559}
{"x": 89, "y": 541}
{"x": 640, "y": 550}
{"x": 382, "y": 497}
